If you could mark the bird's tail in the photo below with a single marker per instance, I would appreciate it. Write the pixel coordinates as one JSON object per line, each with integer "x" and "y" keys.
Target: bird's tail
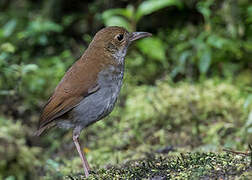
{"x": 42, "y": 129}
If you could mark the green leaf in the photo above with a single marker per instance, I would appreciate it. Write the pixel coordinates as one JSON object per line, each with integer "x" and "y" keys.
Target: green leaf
{"x": 29, "y": 68}
{"x": 249, "y": 16}
{"x": 10, "y": 178}
{"x": 8, "y": 47}
{"x": 148, "y": 7}
{"x": 53, "y": 164}
{"x": 9, "y": 27}
{"x": 40, "y": 25}
{"x": 3, "y": 57}
{"x": 127, "y": 12}
{"x": 183, "y": 57}
{"x": 204, "y": 8}
{"x": 181, "y": 63}
{"x": 247, "y": 45}
{"x": 249, "y": 121}
{"x": 217, "y": 41}
{"x": 152, "y": 47}
{"x": 205, "y": 60}
{"x": 248, "y": 101}
{"x": 1, "y": 33}
{"x": 249, "y": 130}
{"x": 119, "y": 17}
{"x": 118, "y": 21}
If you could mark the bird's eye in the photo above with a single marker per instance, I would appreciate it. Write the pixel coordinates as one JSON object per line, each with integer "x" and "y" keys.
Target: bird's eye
{"x": 120, "y": 37}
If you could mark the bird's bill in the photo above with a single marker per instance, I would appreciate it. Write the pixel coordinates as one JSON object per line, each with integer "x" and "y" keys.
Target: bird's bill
{"x": 138, "y": 35}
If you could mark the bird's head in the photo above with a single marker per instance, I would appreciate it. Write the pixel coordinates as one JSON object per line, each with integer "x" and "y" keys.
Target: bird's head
{"x": 116, "y": 40}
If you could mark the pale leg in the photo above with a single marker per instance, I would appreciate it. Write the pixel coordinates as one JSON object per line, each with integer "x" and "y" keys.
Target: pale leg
{"x": 85, "y": 164}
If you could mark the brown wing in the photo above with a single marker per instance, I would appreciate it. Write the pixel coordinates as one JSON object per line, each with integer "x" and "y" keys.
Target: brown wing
{"x": 77, "y": 83}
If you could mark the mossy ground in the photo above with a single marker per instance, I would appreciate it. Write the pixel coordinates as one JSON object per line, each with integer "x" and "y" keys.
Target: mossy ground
{"x": 211, "y": 118}
{"x": 196, "y": 165}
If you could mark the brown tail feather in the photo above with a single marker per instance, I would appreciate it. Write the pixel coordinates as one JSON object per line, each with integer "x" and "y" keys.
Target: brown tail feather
{"x": 42, "y": 129}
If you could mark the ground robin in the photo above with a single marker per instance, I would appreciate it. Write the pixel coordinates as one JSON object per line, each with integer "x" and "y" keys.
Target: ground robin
{"x": 89, "y": 89}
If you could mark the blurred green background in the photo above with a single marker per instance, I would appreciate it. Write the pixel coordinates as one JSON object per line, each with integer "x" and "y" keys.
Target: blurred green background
{"x": 189, "y": 86}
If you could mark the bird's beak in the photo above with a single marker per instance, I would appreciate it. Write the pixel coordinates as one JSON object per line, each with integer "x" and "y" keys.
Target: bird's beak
{"x": 138, "y": 35}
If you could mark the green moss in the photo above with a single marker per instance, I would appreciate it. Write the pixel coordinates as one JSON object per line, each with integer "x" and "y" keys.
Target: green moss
{"x": 184, "y": 166}
{"x": 190, "y": 117}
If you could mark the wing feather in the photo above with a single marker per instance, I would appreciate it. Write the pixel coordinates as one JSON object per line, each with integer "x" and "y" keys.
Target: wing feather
{"x": 76, "y": 84}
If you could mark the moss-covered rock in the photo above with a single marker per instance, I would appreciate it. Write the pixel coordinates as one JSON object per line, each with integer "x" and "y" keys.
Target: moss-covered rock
{"x": 184, "y": 166}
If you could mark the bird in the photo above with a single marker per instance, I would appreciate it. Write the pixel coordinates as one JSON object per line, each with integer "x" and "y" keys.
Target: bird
{"x": 89, "y": 89}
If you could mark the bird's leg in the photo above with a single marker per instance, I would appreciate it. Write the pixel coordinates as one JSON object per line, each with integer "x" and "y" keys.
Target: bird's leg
{"x": 76, "y": 134}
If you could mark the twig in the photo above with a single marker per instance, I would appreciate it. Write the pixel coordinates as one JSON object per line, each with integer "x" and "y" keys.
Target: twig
{"x": 236, "y": 152}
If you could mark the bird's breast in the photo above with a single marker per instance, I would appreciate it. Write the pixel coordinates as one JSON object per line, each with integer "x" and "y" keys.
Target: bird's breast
{"x": 111, "y": 77}
{"x": 99, "y": 104}
{"x": 110, "y": 82}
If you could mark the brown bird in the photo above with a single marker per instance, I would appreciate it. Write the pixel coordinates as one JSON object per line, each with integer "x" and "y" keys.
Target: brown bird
{"x": 89, "y": 89}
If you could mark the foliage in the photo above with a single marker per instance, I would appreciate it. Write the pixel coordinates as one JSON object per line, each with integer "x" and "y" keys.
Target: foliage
{"x": 128, "y": 17}
{"x": 17, "y": 160}
{"x": 20, "y": 65}
{"x": 217, "y": 42}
